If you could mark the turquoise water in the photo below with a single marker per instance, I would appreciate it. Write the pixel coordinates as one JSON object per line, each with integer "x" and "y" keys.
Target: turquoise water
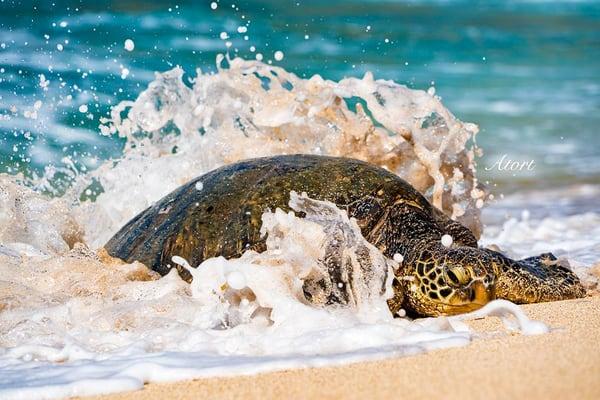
{"x": 528, "y": 72}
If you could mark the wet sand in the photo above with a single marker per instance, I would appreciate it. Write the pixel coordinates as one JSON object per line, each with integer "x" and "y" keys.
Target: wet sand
{"x": 563, "y": 364}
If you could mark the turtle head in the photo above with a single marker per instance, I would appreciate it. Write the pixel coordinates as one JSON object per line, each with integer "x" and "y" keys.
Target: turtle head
{"x": 447, "y": 281}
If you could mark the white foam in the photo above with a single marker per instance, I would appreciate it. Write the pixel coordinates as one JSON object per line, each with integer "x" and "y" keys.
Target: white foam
{"x": 112, "y": 332}
{"x": 511, "y": 315}
{"x": 76, "y": 325}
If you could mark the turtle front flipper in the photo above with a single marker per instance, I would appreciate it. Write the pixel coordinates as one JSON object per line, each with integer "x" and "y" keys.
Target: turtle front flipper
{"x": 534, "y": 279}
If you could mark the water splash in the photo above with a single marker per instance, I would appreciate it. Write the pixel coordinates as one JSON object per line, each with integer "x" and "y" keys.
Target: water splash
{"x": 82, "y": 323}
{"x": 176, "y": 130}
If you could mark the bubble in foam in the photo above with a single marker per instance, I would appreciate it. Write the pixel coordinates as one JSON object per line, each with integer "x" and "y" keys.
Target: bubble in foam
{"x": 236, "y": 280}
{"x": 83, "y": 108}
{"x": 213, "y": 5}
{"x": 278, "y": 55}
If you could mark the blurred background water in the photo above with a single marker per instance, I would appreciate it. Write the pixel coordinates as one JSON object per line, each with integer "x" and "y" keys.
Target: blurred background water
{"x": 528, "y": 72}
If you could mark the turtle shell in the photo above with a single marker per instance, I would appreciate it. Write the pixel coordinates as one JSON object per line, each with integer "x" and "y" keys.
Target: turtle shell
{"x": 219, "y": 213}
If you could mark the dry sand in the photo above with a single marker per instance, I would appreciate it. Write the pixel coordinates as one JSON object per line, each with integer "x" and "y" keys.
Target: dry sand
{"x": 563, "y": 364}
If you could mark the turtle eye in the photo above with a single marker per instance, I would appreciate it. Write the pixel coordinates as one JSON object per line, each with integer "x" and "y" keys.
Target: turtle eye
{"x": 457, "y": 276}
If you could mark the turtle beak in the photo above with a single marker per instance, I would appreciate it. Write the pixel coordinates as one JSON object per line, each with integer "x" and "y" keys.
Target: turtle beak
{"x": 473, "y": 297}
{"x": 482, "y": 293}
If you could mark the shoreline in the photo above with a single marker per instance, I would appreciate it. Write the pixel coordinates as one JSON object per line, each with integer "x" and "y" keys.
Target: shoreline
{"x": 564, "y": 363}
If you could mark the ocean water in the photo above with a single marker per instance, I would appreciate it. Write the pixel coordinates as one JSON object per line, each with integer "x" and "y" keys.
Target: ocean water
{"x": 108, "y": 106}
{"x": 527, "y": 72}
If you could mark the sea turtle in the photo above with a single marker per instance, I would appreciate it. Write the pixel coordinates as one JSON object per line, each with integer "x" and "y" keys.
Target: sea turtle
{"x": 219, "y": 214}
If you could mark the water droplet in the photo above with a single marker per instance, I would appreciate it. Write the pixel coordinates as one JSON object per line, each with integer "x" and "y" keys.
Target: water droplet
{"x": 129, "y": 45}
{"x": 447, "y": 240}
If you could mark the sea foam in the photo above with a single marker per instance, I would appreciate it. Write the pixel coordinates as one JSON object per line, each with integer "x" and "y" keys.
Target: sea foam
{"x": 82, "y": 323}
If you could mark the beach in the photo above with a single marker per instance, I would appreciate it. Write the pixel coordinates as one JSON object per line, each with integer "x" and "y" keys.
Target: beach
{"x": 562, "y": 364}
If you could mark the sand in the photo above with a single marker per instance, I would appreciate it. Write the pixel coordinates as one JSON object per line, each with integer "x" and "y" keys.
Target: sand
{"x": 563, "y": 364}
